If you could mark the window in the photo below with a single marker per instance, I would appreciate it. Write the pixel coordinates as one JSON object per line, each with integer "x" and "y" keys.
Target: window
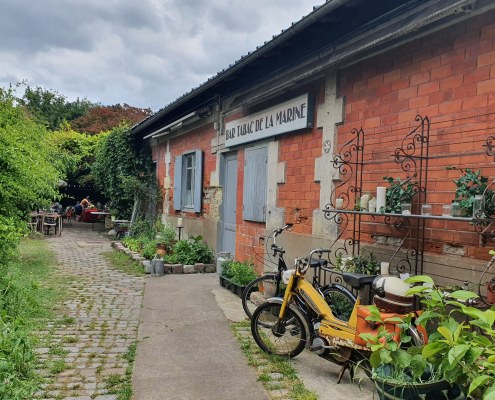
{"x": 254, "y": 198}
{"x": 188, "y": 181}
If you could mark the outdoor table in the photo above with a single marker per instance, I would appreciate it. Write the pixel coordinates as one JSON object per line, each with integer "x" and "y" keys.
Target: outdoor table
{"x": 100, "y": 217}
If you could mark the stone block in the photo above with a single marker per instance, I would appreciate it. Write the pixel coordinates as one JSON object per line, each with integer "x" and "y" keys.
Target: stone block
{"x": 199, "y": 268}
{"x": 188, "y": 269}
{"x": 177, "y": 269}
{"x": 456, "y": 250}
{"x": 168, "y": 268}
{"x": 210, "y": 268}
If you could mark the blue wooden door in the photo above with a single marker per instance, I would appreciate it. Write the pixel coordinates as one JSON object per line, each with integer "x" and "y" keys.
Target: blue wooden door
{"x": 229, "y": 204}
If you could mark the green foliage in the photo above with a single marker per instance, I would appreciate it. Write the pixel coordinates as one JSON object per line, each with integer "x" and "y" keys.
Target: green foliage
{"x": 143, "y": 228}
{"x": 50, "y": 108}
{"x": 122, "y": 171}
{"x": 166, "y": 235}
{"x": 241, "y": 273}
{"x": 30, "y": 170}
{"x": 23, "y": 302}
{"x": 190, "y": 251}
{"x": 78, "y": 152}
{"x": 359, "y": 264}
{"x": 399, "y": 192}
{"x": 460, "y": 348}
{"x": 134, "y": 244}
{"x": 149, "y": 249}
{"x": 470, "y": 184}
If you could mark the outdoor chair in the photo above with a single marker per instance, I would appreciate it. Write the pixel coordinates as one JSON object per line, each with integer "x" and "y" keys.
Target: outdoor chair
{"x": 33, "y": 222}
{"x": 50, "y": 221}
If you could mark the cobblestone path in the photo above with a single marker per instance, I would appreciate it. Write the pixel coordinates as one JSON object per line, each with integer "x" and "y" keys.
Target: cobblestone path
{"x": 83, "y": 352}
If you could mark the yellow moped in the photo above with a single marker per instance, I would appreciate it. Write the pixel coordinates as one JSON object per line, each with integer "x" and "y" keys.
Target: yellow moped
{"x": 303, "y": 318}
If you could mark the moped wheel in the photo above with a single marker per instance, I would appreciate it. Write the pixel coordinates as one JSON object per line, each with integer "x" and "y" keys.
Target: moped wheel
{"x": 263, "y": 285}
{"x": 341, "y": 303}
{"x": 285, "y": 338}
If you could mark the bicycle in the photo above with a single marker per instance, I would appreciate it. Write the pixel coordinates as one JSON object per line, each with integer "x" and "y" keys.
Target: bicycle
{"x": 303, "y": 318}
{"x": 272, "y": 285}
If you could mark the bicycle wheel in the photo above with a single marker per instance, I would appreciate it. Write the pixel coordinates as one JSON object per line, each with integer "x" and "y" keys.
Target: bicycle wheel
{"x": 285, "y": 338}
{"x": 340, "y": 301}
{"x": 258, "y": 290}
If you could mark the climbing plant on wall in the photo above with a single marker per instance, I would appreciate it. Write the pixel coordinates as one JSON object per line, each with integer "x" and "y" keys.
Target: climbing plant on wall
{"x": 122, "y": 170}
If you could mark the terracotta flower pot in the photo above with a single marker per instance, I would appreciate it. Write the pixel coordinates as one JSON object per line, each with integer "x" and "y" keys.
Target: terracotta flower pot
{"x": 161, "y": 249}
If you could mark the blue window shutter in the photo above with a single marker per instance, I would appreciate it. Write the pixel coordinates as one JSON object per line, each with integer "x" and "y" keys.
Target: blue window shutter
{"x": 178, "y": 183}
{"x": 249, "y": 184}
{"x": 254, "y": 197}
{"x": 198, "y": 181}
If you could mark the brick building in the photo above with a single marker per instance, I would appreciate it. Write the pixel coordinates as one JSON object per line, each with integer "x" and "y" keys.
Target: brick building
{"x": 255, "y": 146}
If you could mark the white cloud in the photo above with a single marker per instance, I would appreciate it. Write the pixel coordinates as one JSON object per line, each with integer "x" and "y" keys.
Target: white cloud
{"x": 145, "y": 53}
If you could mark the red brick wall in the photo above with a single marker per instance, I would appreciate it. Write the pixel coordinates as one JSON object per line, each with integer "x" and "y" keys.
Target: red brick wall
{"x": 448, "y": 76}
{"x": 300, "y": 195}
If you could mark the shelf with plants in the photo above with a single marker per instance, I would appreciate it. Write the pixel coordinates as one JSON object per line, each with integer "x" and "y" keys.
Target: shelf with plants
{"x": 352, "y": 210}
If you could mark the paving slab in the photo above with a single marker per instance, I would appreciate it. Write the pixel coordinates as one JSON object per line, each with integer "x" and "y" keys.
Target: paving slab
{"x": 186, "y": 349}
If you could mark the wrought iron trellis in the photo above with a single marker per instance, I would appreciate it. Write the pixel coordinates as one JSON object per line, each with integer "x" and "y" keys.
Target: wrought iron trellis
{"x": 412, "y": 157}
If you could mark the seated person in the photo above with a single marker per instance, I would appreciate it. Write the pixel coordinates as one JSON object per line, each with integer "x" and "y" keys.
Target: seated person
{"x": 57, "y": 207}
{"x": 86, "y": 202}
{"x": 78, "y": 209}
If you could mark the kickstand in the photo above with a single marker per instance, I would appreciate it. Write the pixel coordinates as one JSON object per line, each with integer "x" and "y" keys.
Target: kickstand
{"x": 347, "y": 365}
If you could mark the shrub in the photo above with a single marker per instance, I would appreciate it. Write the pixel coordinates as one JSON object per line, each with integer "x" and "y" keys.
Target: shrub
{"x": 149, "y": 249}
{"x": 190, "y": 251}
{"x": 143, "y": 228}
{"x": 166, "y": 235}
{"x": 240, "y": 273}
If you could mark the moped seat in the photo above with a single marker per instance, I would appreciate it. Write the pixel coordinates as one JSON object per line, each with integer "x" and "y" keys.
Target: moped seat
{"x": 357, "y": 280}
{"x": 317, "y": 262}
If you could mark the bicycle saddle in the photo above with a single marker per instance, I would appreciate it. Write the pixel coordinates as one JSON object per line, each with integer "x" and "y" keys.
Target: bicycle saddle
{"x": 357, "y": 280}
{"x": 317, "y": 262}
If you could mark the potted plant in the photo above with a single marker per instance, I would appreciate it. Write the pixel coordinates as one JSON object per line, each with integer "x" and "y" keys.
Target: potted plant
{"x": 469, "y": 185}
{"x": 456, "y": 360}
{"x": 358, "y": 264}
{"x": 236, "y": 275}
{"x": 399, "y": 192}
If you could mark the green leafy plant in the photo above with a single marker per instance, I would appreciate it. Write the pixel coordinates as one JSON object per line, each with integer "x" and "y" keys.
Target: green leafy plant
{"x": 166, "y": 235}
{"x": 143, "y": 228}
{"x": 190, "y": 251}
{"x": 399, "y": 192}
{"x": 240, "y": 273}
{"x": 470, "y": 184}
{"x": 359, "y": 264}
{"x": 455, "y": 352}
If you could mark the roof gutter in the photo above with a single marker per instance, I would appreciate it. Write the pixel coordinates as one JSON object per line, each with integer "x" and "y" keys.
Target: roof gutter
{"x": 189, "y": 118}
{"x": 324, "y": 9}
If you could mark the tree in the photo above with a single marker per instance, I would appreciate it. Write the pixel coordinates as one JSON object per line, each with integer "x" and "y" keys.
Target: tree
{"x": 30, "y": 170}
{"x": 78, "y": 150}
{"x": 104, "y": 118}
{"x": 51, "y": 108}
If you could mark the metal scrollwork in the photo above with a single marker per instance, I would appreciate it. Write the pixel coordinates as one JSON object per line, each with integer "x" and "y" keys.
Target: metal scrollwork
{"x": 490, "y": 145}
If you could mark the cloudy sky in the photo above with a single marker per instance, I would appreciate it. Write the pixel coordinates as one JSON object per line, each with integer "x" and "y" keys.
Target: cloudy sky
{"x": 145, "y": 53}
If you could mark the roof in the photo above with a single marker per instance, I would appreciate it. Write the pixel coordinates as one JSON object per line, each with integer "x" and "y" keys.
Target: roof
{"x": 341, "y": 29}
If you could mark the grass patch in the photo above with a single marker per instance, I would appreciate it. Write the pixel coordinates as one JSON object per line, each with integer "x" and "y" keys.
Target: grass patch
{"x": 124, "y": 263}
{"x": 271, "y": 364}
{"x": 29, "y": 288}
{"x": 58, "y": 366}
{"x": 121, "y": 385}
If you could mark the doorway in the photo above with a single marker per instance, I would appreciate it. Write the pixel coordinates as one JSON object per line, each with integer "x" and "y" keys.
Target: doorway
{"x": 229, "y": 204}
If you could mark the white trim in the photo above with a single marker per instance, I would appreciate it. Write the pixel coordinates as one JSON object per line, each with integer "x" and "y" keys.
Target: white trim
{"x": 191, "y": 117}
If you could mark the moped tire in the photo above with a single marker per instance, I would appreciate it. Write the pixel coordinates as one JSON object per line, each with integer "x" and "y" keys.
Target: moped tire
{"x": 258, "y": 286}
{"x": 285, "y": 338}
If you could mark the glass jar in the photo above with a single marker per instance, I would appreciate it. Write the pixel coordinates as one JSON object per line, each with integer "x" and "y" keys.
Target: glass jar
{"x": 478, "y": 206}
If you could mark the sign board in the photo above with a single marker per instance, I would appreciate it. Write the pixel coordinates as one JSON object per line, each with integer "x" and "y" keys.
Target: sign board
{"x": 285, "y": 117}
